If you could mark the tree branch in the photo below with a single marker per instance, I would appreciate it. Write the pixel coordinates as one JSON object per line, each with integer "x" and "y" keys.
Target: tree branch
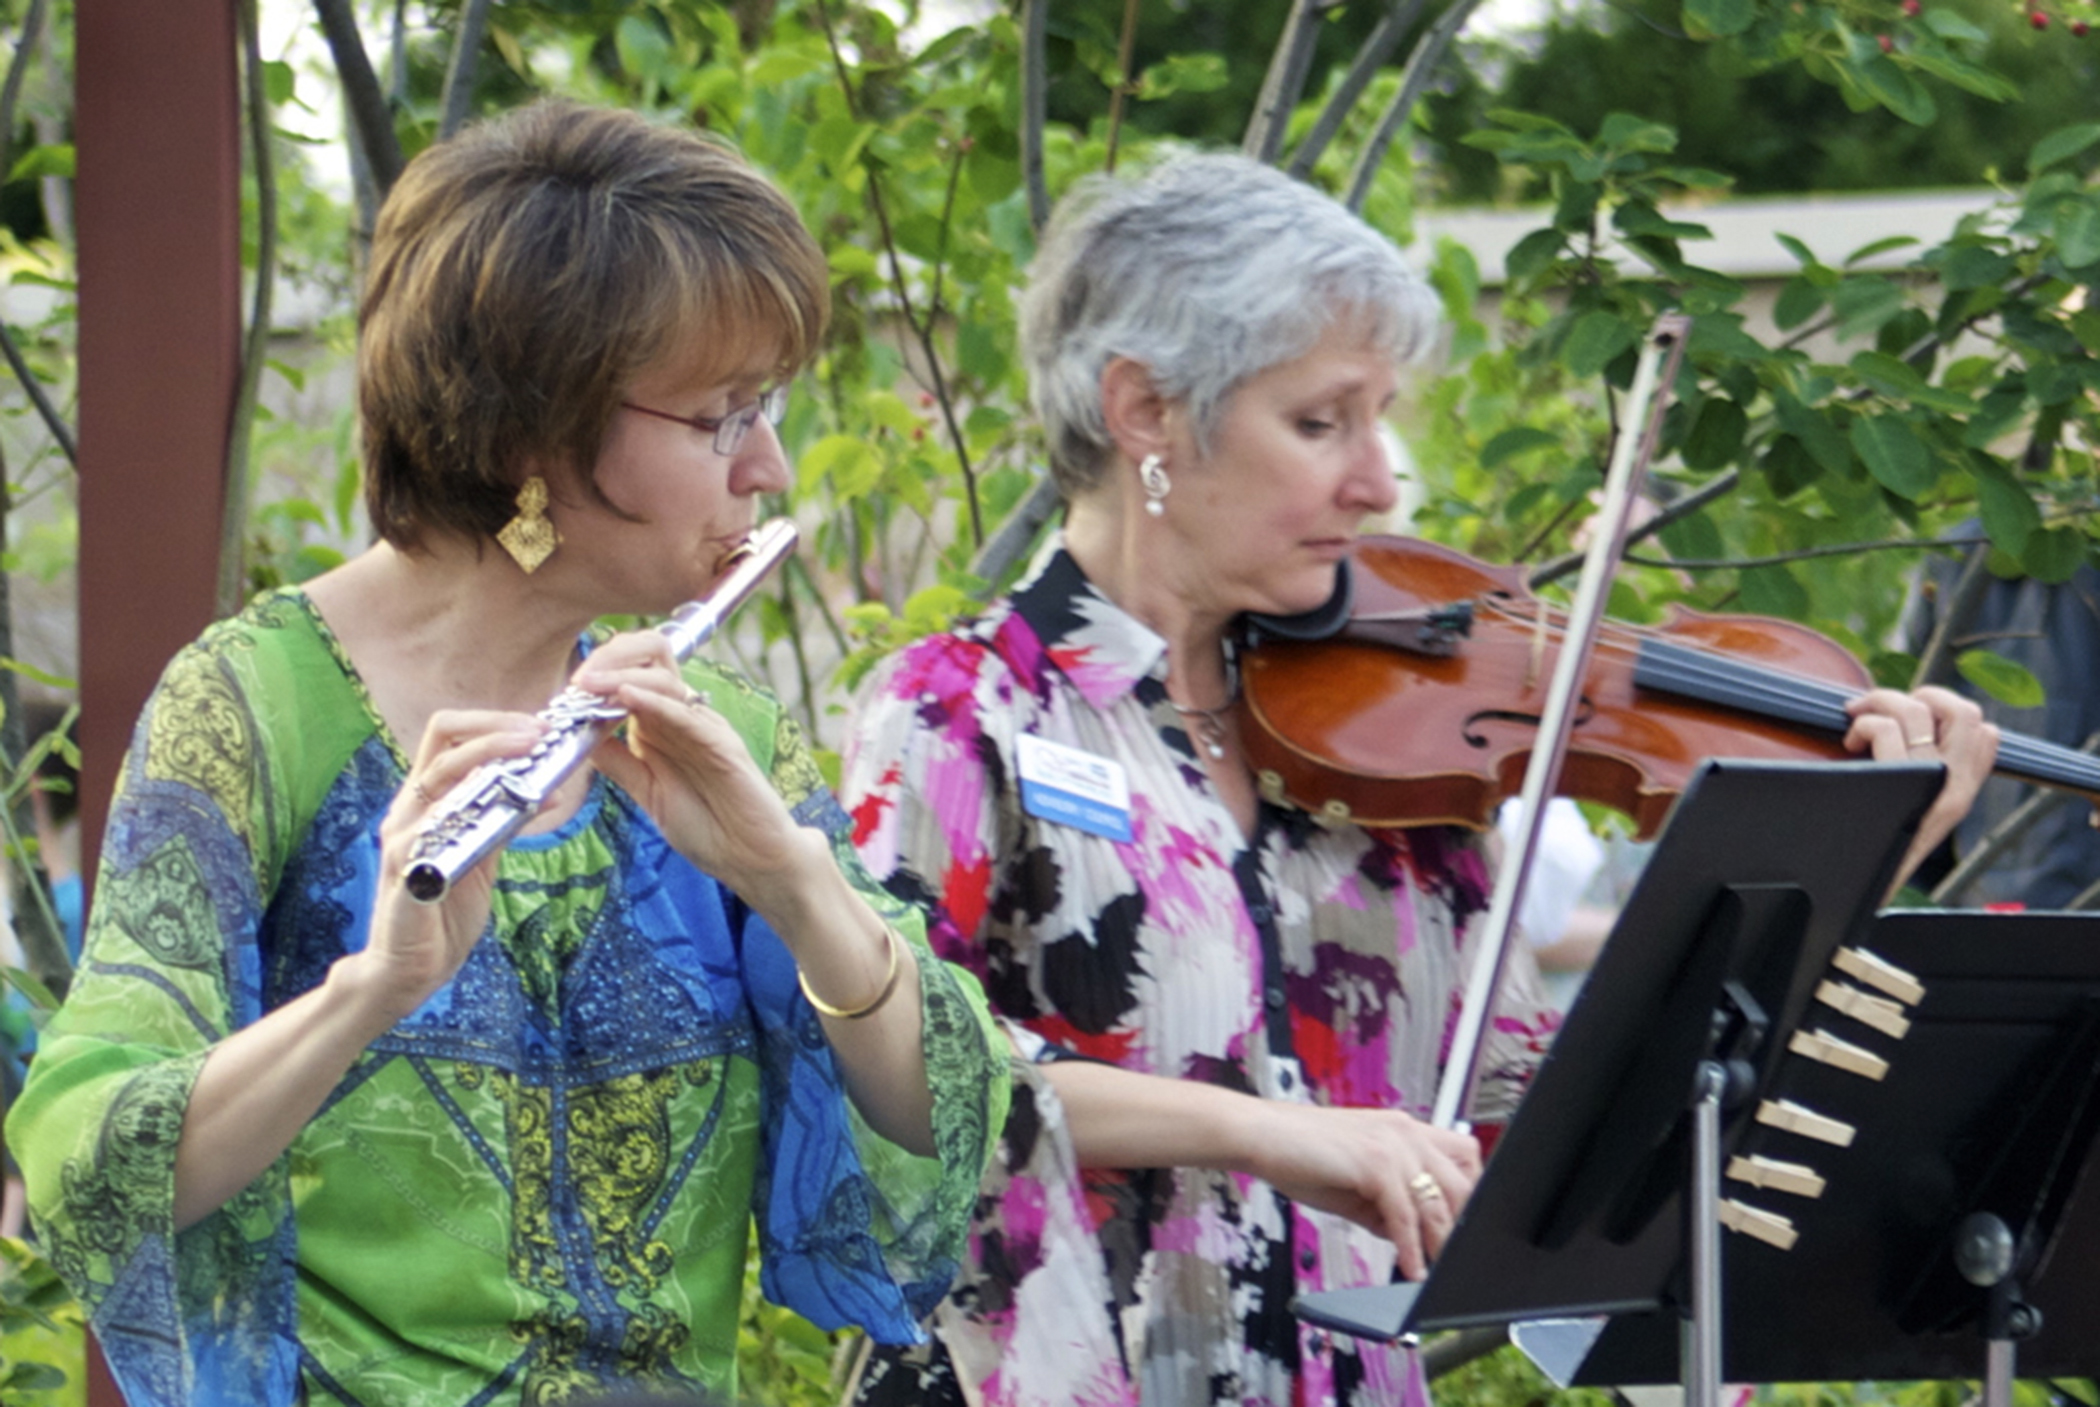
{"x": 1285, "y": 81}
{"x": 1683, "y": 508}
{"x": 1999, "y": 838}
{"x": 1034, "y": 110}
{"x": 369, "y": 114}
{"x": 1935, "y": 661}
{"x": 458, "y": 95}
{"x": 1804, "y": 554}
{"x": 1429, "y": 52}
{"x": 233, "y": 520}
{"x": 922, "y": 331}
{"x": 10, "y": 97}
{"x": 1126, "y": 47}
{"x": 1377, "y": 48}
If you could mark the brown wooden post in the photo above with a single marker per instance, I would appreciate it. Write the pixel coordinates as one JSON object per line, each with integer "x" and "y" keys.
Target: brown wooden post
{"x": 157, "y": 132}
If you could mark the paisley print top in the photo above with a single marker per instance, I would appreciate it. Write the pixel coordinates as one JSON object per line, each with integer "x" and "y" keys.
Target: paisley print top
{"x": 542, "y": 1183}
{"x": 1323, "y": 965}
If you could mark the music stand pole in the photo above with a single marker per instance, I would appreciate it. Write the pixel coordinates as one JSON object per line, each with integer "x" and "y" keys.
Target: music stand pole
{"x": 1702, "y": 1352}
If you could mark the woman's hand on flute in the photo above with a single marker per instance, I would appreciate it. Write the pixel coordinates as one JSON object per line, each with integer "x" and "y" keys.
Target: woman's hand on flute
{"x": 414, "y": 949}
{"x": 691, "y": 772}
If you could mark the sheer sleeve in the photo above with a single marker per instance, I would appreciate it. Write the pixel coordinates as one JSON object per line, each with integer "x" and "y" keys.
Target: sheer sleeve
{"x": 170, "y": 966}
{"x": 855, "y": 1229}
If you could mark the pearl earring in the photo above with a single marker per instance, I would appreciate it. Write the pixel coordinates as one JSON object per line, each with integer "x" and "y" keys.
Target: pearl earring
{"x": 1152, "y": 473}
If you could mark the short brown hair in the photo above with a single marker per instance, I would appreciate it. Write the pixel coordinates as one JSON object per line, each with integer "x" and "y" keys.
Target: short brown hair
{"x": 525, "y": 271}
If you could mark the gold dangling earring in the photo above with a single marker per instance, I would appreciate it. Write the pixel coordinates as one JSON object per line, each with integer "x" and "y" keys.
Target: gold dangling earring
{"x": 1152, "y": 473}
{"x": 530, "y": 538}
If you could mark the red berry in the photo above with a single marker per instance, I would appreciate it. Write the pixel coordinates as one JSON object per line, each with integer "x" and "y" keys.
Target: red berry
{"x": 2038, "y": 20}
{"x": 1886, "y": 43}
{"x": 2078, "y": 28}
{"x": 1911, "y": 8}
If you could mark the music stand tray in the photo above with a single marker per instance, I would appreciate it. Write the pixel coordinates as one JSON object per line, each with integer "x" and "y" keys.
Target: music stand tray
{"x": 1763, "y": 870}
{"x": 1988, "y": 1105}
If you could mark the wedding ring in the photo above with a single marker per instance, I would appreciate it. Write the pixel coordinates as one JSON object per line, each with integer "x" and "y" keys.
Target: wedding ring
{"x": 1927, "y": 741}
{"x": 1425, "y": 1188}
{"x": 696, "y": 698}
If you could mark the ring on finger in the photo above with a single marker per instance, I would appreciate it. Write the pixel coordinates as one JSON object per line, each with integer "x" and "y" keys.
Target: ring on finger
{"x": 696, "y": 698}
{"x": 1927, "y": 741}
{"x": 1425, "y": 1188}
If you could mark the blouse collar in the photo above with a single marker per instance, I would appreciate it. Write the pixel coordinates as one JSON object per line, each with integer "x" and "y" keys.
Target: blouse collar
{"x": 1102, "y": 648}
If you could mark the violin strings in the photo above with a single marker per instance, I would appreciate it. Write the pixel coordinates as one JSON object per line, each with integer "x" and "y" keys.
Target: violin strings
{"x": 1692, "y": 672}
{"x": 1776, "y": 693}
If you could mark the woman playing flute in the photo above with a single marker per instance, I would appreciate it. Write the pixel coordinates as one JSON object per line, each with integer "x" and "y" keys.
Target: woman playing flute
{"x": 296, "y": 1137}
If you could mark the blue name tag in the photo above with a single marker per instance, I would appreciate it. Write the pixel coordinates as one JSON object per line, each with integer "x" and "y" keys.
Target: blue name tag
{"x": 1073, "y": 788}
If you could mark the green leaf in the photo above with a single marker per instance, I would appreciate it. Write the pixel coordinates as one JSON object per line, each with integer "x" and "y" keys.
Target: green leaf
{"x": 29, "y": 986}
{"x": 1891, "y": 376}
{"x": 1595, "y": 339}
{"x": 1789, "y": 468}
{"x": 1879, "y": 77}
{"x": 852, "y": 465}
{"x": 1798, "y": 302}
{"x": 2053, "y": 555}
{"x": 1949, "y": 23}
{"x": 643, "y": 47}
{"x": 2007, "y": 510}
{"x": 50, "y": 159}
{"x": 2078, "y": 231}
{"x": 1718, "y": 19}
{"x": 1817, "y": 434}
{"x": 2007, "y": 681}
{"x": 1773, "y": 591}
{"x": 1894, "y": 455}
{"x": 1511, "y": 443}
{"x": 1531, "y": 254}
{"x": 1716, "y": 437}
{"x": 1183, "y": 73}
{"x": 2061, "y": 145}
{"x": 280, "y": 81}
{"x": 1879, "y": 246}
{"x": 1863, "y": 303}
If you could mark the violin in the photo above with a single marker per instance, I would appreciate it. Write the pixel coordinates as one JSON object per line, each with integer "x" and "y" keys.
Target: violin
{"x": 1422, "y": 707}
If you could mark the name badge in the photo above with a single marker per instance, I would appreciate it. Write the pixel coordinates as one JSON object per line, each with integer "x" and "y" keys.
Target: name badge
{"x": 1073, "y": 788}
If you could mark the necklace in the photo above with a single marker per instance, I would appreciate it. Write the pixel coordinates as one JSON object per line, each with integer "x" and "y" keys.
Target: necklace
{"x": 1210, "y": 724}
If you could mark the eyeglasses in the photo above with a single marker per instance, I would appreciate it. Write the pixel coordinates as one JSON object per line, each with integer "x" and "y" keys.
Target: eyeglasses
{"x": 728, "y": 429}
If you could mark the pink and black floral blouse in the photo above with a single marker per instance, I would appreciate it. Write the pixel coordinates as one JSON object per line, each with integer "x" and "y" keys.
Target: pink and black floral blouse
{"x": 1309, "y": 964}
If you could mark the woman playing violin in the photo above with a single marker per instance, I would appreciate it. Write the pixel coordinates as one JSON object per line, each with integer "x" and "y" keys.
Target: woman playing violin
{"x": 295, "y": 1137}
{"x": 1212, "y": 987}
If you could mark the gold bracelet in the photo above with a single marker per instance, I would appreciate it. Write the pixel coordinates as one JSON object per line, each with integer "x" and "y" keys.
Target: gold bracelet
{"x": 889, "y": 985}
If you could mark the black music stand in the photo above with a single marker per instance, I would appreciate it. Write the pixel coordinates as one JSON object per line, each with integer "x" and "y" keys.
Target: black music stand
{"x": 1980, "y": 1132}
{"x": 1763, "y": 871}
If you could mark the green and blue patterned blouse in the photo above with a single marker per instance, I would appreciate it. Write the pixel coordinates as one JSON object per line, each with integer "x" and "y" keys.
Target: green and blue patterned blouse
{"x": 541, "y": 1184}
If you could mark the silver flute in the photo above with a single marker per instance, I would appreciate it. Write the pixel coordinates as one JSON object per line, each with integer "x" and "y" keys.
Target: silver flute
{"x": 493, "y": 802}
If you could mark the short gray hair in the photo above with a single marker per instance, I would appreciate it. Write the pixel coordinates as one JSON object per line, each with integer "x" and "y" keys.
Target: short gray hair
{"x": 1209, "y": 269}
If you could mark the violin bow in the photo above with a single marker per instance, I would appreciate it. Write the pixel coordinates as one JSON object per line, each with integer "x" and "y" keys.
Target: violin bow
{"x": 1663, "y": 349}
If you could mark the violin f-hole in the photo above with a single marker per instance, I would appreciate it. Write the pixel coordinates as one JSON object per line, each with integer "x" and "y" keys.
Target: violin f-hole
{"x": 1583, "y": 711}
